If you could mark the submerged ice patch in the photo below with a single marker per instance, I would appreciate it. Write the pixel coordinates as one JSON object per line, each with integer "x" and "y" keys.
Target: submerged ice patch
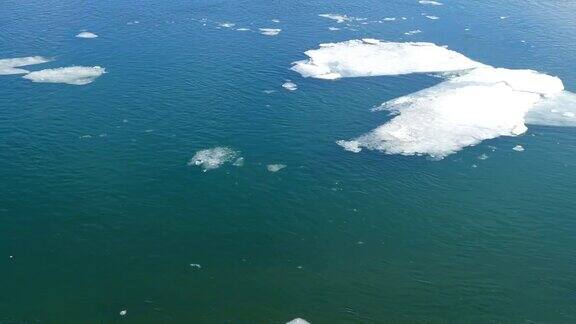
{"x": 270, "y": 31}
{"x": 213, "y": 158}
{"x": 13, "y": 65}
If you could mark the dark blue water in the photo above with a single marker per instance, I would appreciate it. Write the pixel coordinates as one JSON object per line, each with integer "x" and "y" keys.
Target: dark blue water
{"x": 92, "y": 225}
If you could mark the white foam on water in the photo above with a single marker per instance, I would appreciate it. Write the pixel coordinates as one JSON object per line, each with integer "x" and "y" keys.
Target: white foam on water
{"x": 242, "y": 29}
{"x": 432, "y": 17}
{"x": 213, "y": 158}
{"x": 275, "y": 20}
{"x": 275, "y": 167}
{"x": 227, "y": 24}
{"x": 482, "y": 104}
{"x": 370, "y": 57}
{"x": 74, "y": 75}
{"x": 298, "y": 321}
{"x": 333, "y": 28}
{"x": 12, "y": 65}
{"x": 430, "y": 2}
{"x": 389, "y": 19}
{"x": 290, "y": 86}
{"x": 270, "y": 31}
{"x": 86, "y": 34}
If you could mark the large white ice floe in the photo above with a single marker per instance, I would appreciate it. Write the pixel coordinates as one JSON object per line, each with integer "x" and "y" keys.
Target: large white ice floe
{"x": 476, "y": 101}
{"x": 75, "y": 75}
{"x": 482, "y": 104}
{"x": 13, "y": 65}
{"x": 213, "y": 158}
{"x": 370, "y": 57}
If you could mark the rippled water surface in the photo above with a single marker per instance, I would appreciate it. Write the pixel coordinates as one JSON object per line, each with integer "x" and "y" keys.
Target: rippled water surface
{"x": 100, "y": 211}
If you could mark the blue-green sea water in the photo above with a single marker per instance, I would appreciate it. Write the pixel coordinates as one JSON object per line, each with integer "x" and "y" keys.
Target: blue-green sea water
{"x": 99, "y": 211}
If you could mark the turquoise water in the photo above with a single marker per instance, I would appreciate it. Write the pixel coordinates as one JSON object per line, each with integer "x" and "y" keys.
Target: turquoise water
{"x": 92, "y": 225}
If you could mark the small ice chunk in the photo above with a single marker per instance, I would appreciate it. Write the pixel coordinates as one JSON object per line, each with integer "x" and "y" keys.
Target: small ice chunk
{"x": 195, "y": 265}
{"x": 270, "y": 31}
{"x": 518, "y": 148}
{"x": 243, "y": 29}
{"x": 86, "y": 34}
{"x": 298, "y": 321}
{"x": 123, "y": 312}
{"x": 337, "y": 17}
{"x": 483, "y": 156}
{"x": 413, "y": 32}
{"x": 333, "y": 28}
{"x": 275, "y": 167}
{"x": 430, "y": 2}
{"x": 74, "y": 75}
{"x": 227, "y": 24}
{"x": 432, "y": 17}
{"x": 275, "y": 20}
{"x": 290, "y": 86}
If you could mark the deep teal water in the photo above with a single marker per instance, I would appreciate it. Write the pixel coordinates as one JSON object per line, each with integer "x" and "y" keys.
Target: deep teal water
{"x": 111, "y": 222}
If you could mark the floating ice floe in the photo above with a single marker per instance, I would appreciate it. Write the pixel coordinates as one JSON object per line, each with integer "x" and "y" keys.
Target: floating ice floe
{"x": 290, "y": 86}
{"x": 430, "y": 2}
{"x": 12, "y": 65}
{"x": 213, "y": 158}
{"x": 298, "y": 321}
{"x": 413, "y": 32}
{"x": 75, "y": 75}
{"x": 86, "y": 34}
{"x": 370, "y": 57}
{"x": 482, "y": 104}
{"x": 336, "y": 17}
{"x": 270, "y": 31}
{"x": 518, "y": 148}
{"x": 476, "y": 102}
{"x": 275, "y": 167}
